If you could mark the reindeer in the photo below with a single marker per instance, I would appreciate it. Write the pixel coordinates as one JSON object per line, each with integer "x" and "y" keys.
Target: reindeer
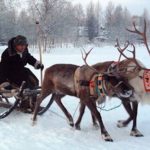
{"x": 66, "y": 79}
{"x": 122, "y": 67}
{"x": 132, "y": 70}
{"x": 135, "y": 79}
{"x": 141, "y": 93}
{"x": 127, "y": 69}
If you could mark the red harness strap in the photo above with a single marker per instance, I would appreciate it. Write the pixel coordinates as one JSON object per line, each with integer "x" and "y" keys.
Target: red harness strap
{"x": 146, "y": 80}
{"x": 92, "y": 85}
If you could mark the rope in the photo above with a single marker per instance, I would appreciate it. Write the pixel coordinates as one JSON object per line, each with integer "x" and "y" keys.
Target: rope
{"x": 57, "y": 114}
{"x": 76, "y": 110}
{"x": 103, "y": 107}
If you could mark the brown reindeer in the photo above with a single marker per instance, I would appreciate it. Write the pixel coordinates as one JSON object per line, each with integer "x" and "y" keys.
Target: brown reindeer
{"x": 127, "y": 75}
{"x": 60, "y": 79}
{"x": 132, "y": 70}
{"x": 135, "y": 79}
{"x": 101, "y": 68}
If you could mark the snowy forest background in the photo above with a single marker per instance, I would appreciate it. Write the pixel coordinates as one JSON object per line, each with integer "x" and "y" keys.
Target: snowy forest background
{"x": 62, "y": 22}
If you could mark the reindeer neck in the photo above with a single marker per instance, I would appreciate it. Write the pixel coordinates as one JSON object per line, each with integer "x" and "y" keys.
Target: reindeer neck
{"x": 102, "y": 67}
{"x": 128, "y": 69}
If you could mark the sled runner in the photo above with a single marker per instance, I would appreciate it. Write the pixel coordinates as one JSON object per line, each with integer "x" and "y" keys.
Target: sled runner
{"x": 20, "y": 99}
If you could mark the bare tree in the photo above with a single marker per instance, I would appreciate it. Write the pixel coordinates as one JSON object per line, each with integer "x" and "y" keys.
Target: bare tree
{"x": 56, "y": 18}
{"x": 109, "y": 18}
{"x": 92, "y": 22}
{"x": 80, "y": 23}
{"x": 62, "y": 22}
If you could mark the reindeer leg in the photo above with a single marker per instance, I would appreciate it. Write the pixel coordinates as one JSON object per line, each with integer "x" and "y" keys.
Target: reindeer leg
{"x": 62, "y": 107}
{"x": 37, "y": 104}
{"x": 135, "y": 132}
{"x": 94, "y": 119}
{"x": 82, "y": 109}
{"x": 46, "y": 90}
{"x": 94, "y": 111}
{"x": 127, "y": 106}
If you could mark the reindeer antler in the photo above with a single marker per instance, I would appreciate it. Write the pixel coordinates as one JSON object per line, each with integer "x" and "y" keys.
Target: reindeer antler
{"x": 142, "y": 34}
{"x": 86, "y": 55}
{"x": 85, "y": 58}
{"x": 121, "y": 51}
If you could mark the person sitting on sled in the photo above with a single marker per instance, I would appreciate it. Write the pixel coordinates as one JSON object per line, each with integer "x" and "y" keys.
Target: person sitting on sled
{"x": 13, "y": 62}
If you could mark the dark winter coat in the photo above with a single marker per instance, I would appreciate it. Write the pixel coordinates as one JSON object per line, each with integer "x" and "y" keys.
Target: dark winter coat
{"x": 12, "y": 61}
{"x": 13, "y": 64}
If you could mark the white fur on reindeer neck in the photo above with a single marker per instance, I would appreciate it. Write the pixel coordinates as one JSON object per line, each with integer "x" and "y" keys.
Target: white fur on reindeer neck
{"x": 141, "y": 94}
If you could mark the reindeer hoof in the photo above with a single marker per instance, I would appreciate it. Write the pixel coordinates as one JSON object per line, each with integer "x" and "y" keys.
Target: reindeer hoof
{"x": 96, "y": 126}
{"x": 71, "y": 123}
{"x": 34, "y": 123}
{"x": 136, "y": 133}
{"x": 77, "y": 127}
{"x": 121, "y": 124}
{"x": 107, "y": 137}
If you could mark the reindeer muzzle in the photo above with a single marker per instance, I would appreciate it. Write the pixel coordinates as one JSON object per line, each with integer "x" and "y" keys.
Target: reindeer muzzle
{"x": 126, "y": 94}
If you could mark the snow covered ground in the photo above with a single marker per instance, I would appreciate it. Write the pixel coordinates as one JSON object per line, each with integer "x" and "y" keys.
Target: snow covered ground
{"x": 52, "y": 131}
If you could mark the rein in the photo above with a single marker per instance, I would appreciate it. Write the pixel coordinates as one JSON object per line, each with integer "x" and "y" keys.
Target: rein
{"x": 64, "y": 118}
{"x": 103, "y": 107}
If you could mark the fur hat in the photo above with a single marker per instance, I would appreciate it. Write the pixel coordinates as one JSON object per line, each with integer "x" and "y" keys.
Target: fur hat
{"x": 20, "y": 40}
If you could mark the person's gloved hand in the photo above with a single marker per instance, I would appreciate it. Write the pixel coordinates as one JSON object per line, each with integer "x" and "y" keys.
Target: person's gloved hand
{"x": 40, "y": 66}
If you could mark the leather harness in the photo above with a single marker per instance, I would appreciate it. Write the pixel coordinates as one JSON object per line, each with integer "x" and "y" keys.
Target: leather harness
{"x": 96, "y": 83}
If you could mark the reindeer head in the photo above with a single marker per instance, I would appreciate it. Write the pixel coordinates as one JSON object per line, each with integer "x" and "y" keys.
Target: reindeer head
{"x": 117, "y": 86}
{"x": 127, "y": 44}
{"x": 112, "y": 84}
